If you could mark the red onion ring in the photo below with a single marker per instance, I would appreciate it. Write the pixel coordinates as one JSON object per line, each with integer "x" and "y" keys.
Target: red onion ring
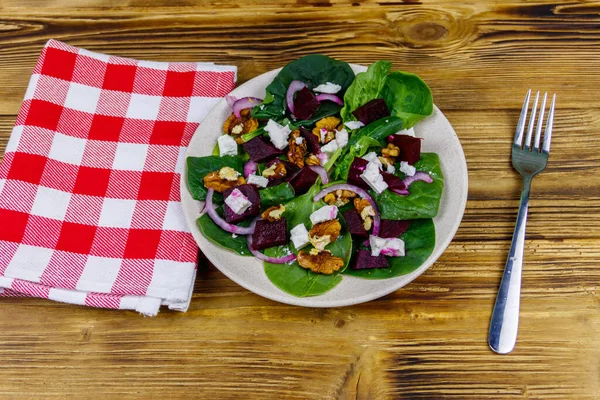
{"x": 418, "y": 176}
{"x": 230, "y": 100}
{"x": 362, "y": 193}
{"x": 243, "y": 103}
{"x": 261, "y": 256}
{"x": 249, "y": 168}
{"x": 330, "y": 97}
{"x": 322, "y": 173}
{"x": 401, "y": 192}
{"x": 292, "y": 89}
{"x": 221, "y": 223}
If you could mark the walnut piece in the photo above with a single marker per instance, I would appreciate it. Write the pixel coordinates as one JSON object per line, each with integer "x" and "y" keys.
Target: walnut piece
{"x": 274, "y": 213}
{"x": 387, "y": 161}
{"x": 275, "y": 171}
{"x": 297, "y": 150}
{"x": 339, "y": 197}
{"x": 311, "y": 159}
{"x": 324, "y": 233}
{"x": 366, "y": 212}
{"x": 322, "y": 262}
{"x": 223, "y": 179}
{"x": 325, "y": 129}
{"x": 236, "y": 127}
{"x": 391, "y": 150}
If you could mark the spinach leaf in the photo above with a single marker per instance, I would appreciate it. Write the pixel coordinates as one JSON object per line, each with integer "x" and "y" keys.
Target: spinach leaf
{"x": 357, "y": 146}
{"x": 292, "y": 278}
{"x": 274, "y": 195}
{"x": 222, "y": 238}
{"x": 366, "y": 87}
{"x": 407, "y": 97}
{"x": 419, "y": 240}
{"x": 424, "y": 198}
{"x": 314, "y": 70}
{"x": 199, "y": 167}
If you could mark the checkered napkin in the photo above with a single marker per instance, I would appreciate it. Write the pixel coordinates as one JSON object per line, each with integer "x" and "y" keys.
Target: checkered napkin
{"x": 90, "y": 209}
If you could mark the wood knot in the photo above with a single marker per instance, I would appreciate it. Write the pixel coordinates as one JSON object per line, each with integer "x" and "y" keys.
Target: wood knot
{"x": 426, "y": 32}
{"x": 339, "y": 323}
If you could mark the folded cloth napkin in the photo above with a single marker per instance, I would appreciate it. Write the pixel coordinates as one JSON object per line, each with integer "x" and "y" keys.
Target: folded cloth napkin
{"x": 90, "y": 209}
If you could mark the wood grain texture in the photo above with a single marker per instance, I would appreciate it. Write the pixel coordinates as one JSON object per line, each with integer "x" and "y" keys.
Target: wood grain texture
{"x": 426, "y": 341}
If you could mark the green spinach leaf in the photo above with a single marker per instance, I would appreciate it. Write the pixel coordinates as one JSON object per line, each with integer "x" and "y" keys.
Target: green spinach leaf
{"x": 274, "y": 195}
{"x": 407, "y": 97}
{"x": 199, "y": 167}
{"x": 366, "y": 87}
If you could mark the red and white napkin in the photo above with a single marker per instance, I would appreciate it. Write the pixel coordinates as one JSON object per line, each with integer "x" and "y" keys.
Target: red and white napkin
{"x": 90, "y": 209}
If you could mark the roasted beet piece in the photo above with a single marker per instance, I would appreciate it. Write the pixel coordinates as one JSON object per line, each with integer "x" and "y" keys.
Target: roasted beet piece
{"x": 312, "y": 141}
{"x": 356, "y": 169}
{"x": 305, "y": 104}
{"x": 269, "y": 234}
{"x": 251, "y": 192}
{"x": 364, "y": 260}
{"x": 261, "y": 150}
{"x": 355, "y": 223}
{"x": 372, "y": 111}
{"x": 303, "y": 180}
{"x": 391, "y": 229}
{"x": 410, "y": 148}
{"x": 394, "y": 183}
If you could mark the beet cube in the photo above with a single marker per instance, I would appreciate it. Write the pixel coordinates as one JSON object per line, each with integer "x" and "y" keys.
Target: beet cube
{"x": 364, "y": 260}
{"x": 269, "y": 234}
{"x": 303, "y": 180}
{"x": 410, "y": 148}
{"x": 391, "y": 229}
{"x": 312, "y": 141}
{"x": 355, "y": 223}
{"x": 305, "y": 104}
{"x": 372, "y": 111}
{"x": 260, "y": 149}
{"x": 251, "y": 192}
{"x": 394, "y": 182}
{"x": 357, "y": 167}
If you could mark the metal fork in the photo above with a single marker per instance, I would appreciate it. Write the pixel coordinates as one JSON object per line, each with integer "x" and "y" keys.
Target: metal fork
{"x": 529, "y": 161}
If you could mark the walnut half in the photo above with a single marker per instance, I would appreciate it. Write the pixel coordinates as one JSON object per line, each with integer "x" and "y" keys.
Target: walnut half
{"x": 366, "y": 212}
{"x": 274, "y": 213}
{"x": 236, "y": 127}
{"x": 324, "y": 233}
{"x": 297, "y": 149}
{"x": 223, "y": 179}
{"x": 322, "y": 262}
{"x": 339, "y": 197}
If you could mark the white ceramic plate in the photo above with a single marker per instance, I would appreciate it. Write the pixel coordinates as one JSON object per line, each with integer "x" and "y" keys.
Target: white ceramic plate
{"x": 439, "y": 137}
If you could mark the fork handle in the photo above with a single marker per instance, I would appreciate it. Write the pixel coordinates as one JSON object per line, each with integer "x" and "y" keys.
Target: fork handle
{"x": 505, "y": 318}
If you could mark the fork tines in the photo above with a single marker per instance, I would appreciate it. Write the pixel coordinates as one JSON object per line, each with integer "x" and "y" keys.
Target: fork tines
{"x": 526, "y": 145}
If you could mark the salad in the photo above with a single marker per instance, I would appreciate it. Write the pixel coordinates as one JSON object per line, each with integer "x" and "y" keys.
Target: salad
{"x": 324, "y": 177}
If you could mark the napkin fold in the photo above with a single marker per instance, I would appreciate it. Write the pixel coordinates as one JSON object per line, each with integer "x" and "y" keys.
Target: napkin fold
{"x": 90, "y": 208}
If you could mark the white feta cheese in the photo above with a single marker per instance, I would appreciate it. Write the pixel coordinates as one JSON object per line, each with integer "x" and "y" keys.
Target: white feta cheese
{"x": 408, "y": 169}
{"x": 330, "y": 147}
{"x": 352, "y": 125}
{"x": 257, "y": 180}
{"x": 323, "y": 133}
{"x": 390, "y": 168}
{"x": 227, "y": 146}
{"x": 409, "y": 132}
{"x": 237, "y": 201}
{"x": 391, "y": 247}
{"x": 233, "y": 235}
{"x": 323, "y": 214}
{"x": 372, "y": 157}
{"x": 299, "y": 140}
{"x": 330, "y": 88}
{"x": 323, "y": 158}
{"x": 373, "y": 178}
{"x": 341, "y": 137}
{"x": 278, "y": 134}
{"x": 299, "y": 236}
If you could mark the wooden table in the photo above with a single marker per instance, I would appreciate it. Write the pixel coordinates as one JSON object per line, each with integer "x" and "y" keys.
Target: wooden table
{"x": 426, "y": 341}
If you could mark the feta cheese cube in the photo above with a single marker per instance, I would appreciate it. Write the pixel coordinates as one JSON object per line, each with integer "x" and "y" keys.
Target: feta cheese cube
{"x": 409, "y": 132}
{"x": 390, "y": 168}
{"x": 391, "y": 247}
{"x": 323, "y": 133}
{"x": 373, "y": 178}
{"x": 299, "y": 236}
{"x": 341, "y": 137}
{"x": 257, "y": 180}
{"x": 299, "y": 140}
{"x": 323, "y": 214}
{"x": 408, "y": 169}
{"x": 278, "y": 134}
{"x": 372, "y": 157}
{"x": 330, "y": 147}
{"x": 323, "y": 158}
{"x": 237, "y": 202}
{"x": 227, "y": 146}
{"x": 330, "y": 88}
{"x": 352, "y": 125}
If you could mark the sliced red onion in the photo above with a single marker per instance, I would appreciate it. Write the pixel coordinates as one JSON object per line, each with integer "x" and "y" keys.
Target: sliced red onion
{"x": 330, "y": 97}
{"x": 230, "y": 100}
{"x": 221, "y": 223}
{"x": 243, "y": 103}
{"x": 261, "y": 256}
{"x": 401, "y": 192}
{"x": 418, "y": 176}
{"x": 362, "y": 193}
{"x": 322, "y": 173}
{"x": 292, "y": 89}
{"x": 249, "y": 168}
